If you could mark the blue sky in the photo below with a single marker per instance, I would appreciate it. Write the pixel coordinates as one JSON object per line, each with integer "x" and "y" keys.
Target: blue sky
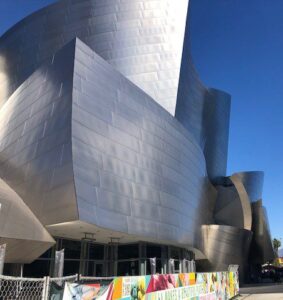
{"x": 237, "y": 47}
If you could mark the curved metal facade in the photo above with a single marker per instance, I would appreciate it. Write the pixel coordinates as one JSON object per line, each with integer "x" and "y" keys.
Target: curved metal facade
{"x": 253, "y": 183}
{"x": 237, "y": 196}
{"x": 24, "y": 235}
{"x": 231, "y": 201}
{"x": 88, "y": 136}
{"x": 244, "y": 200}
{"x": 102, "y": 148}
{"x": 225, "y": 245}
{"x": 150, "y": 173}
{"x": 35, "y": 133}
{"x": 261, "y": 248}
{"x": 141, "y": 39}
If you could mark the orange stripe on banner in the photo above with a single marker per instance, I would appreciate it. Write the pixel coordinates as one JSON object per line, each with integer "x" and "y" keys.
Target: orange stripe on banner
{"x": 117, "y": 293}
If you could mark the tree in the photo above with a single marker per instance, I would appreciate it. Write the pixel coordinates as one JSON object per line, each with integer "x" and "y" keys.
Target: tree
{"x": 276, "y": 245}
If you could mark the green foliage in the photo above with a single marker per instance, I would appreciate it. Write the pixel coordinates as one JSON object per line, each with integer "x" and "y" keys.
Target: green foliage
{"x": 276, "y": 245}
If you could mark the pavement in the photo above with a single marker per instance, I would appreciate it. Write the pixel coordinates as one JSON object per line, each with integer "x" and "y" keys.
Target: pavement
{"x": 265, "y": 291}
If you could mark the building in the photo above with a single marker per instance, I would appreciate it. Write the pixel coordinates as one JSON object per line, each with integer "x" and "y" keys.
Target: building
{"x": 111, "y": 146}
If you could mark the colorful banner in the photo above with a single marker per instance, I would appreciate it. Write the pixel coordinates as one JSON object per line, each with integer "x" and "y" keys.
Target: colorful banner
{"x": 184, "y": 286}
{"x": 183, "y": 293}
{"x": 224, "y": 284}
{"x": 86, "y": 291}
{"x": 135, "y": 288}
{"x": 210, "y": 296}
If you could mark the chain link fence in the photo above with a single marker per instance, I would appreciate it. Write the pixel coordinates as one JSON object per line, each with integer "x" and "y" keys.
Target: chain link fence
{"x": 19, "y": 288}
{"x": 12, "y": 288}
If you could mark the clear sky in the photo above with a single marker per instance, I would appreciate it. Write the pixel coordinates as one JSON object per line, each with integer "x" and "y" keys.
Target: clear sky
{"x": 238, "y": 47}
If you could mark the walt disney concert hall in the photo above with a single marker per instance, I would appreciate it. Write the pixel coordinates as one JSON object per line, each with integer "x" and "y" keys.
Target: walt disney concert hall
{"x": 113, "y": 149}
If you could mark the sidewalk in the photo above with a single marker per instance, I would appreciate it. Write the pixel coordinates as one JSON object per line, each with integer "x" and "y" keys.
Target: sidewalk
{"x": 265, "y": 291}
{"x": 261, "y": 297}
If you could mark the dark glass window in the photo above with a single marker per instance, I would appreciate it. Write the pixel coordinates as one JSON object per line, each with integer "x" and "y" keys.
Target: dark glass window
{"x": 99, "y": 270}
{"x": 128, "y": 268}
{"x": 177, "y": 266}
{"x": 90, "y": 268}
{"x": 37, "y": 269}
{"x": 175, "y": 253}
{"x": 95, "y": 269}
{"x": 153, "y": 251}
{"x": 71, "y": 267}
{"x": 72, "y": 248}
{"x": 128, "y": 251}
{"x": 96, "y": 252}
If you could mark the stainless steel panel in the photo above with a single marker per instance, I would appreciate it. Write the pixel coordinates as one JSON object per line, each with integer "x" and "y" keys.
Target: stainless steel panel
{"x": 135, "y": 198}
{"x": 113, "y": 202}
{"x": 142, "y": 227}
{"x": 40, "y": 167}
{"x": 261, "y": 248}
{"x": 110, "y": 220}
{"x": 135, "y": 37}
{"x": 225, "y": 245}
{"x": 253, "y": 183}
{"x": 234, "y": 199}
{"x": 20, "y": 229}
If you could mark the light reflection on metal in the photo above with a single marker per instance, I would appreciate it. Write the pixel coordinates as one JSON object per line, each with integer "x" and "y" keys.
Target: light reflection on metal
{"x": 141, "y": 39}
{"x": 262, "y": 247}
{"x": 2, "y": 257}
{"x": 225, "y": 245}
{"x": 244, "y": 200}
{"x": 20, "y": 229}
{"x": 4, "y": 78}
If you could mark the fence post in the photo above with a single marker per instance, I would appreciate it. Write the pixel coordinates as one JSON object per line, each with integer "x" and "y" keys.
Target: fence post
{"x": 43, "y": 289}
{"x": 46, "y": 285}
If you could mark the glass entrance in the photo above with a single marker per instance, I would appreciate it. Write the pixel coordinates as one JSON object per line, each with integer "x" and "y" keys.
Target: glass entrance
{"x": 95, "y": 269}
